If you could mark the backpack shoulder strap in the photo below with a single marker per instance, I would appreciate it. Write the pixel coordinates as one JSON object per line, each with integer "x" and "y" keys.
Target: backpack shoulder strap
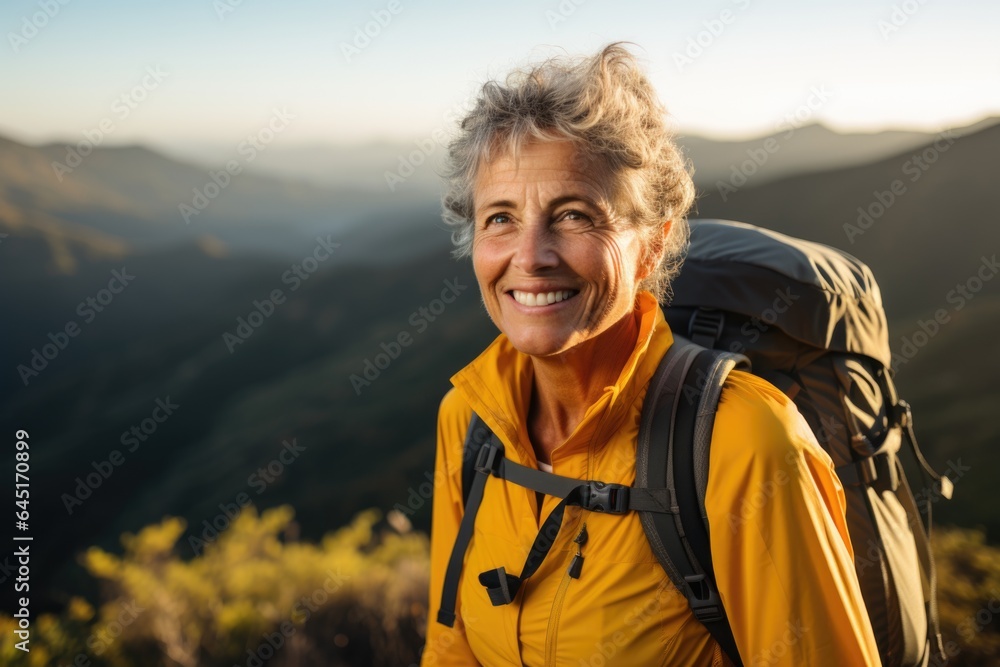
{"x": 478, "y": 461}
{"x": 675, "y": 433}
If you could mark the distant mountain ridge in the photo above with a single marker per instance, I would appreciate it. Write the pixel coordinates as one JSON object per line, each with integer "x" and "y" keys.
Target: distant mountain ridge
{"x": 121, "y": 199}
{"x": 94, "y": 207}
{"x": 797, "y": 150}
{"x": 807, "y": 147}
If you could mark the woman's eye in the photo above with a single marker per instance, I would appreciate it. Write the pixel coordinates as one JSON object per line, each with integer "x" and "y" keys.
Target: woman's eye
{"x": 574, "y": 216}
{"x": 501, "y": 218}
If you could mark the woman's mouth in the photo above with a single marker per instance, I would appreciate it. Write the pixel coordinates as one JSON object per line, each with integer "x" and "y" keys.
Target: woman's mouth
{"x": 536, "y": 299}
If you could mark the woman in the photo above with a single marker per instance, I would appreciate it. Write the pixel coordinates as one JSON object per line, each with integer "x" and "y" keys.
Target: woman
{"x": 570, "y": 196}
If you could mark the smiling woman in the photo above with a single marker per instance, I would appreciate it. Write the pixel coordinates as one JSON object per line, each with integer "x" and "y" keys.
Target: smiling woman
{"x": 569, "y": 194}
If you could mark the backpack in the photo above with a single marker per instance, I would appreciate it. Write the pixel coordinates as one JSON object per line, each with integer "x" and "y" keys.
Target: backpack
{"x": 809, "y": 319}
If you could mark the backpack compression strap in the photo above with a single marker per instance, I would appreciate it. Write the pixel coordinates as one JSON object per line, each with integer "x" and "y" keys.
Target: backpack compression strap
{"x": 944, "y": 488}
{"x": 674, "y": 437}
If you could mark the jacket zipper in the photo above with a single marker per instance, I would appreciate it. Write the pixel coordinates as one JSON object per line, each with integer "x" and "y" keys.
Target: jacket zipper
{"x": 572, "y": 572}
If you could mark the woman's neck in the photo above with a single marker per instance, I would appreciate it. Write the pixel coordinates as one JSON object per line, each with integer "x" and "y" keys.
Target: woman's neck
{"x": 567, "y": 384}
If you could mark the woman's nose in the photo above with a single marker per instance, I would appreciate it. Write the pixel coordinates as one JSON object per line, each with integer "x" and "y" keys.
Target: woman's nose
{"x": 535, "y": 249}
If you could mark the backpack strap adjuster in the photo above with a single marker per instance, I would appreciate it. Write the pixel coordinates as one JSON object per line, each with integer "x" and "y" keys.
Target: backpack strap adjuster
{"x": 605, "y": 498}
{"x": 488, "y": 459}
{"x": 703, "y": 599}
{"x": 705, "y": 327}
{"x": 900, "y": 414}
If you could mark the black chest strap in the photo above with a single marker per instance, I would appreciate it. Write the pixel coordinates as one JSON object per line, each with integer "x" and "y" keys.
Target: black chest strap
{"x": 591, "y": 495}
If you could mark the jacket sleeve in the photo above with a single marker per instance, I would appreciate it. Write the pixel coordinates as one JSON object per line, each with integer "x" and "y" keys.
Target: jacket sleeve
{"x": 783, "y": 557}
{"x": 446, "y": 646}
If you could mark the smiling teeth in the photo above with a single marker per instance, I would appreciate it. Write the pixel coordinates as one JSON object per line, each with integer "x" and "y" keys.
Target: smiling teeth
{"x": 542, "y": 298}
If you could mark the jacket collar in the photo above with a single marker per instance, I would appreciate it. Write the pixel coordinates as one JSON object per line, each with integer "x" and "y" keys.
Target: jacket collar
{"x": 497, "y": 385}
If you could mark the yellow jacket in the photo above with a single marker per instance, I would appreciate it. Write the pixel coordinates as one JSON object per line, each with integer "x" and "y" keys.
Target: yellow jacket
{"x": 782, "y": 553}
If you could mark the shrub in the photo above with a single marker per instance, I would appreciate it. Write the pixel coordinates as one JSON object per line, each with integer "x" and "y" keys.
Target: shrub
{"x": 355, "y": 598}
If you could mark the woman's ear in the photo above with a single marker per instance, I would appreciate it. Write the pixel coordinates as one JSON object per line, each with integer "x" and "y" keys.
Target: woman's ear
{"x": 653, "y": 251}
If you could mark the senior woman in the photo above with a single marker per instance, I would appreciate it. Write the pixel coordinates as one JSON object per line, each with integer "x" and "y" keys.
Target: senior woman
{"x": 570, "y": 196}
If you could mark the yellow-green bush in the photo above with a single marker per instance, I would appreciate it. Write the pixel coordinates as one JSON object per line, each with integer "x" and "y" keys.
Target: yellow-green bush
{"x": 356, "y": 598}
{"x": 968, "y": 572}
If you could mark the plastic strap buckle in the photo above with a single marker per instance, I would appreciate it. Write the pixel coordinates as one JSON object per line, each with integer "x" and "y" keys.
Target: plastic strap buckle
{"x": 901, "y": 414}
{"x": 488, "y": 459}
{"x": 707, "y": 322}
{"x": 605, "y": 498}
{"x": 703, "y": 600}
{"x": 500, "y": 585}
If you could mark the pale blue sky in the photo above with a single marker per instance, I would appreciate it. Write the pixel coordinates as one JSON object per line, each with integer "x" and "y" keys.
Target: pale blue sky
{"x": 941, "y": 67}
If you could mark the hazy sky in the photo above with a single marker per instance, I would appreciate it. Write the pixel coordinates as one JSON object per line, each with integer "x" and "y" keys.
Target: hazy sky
{"x": 727, "y": 68}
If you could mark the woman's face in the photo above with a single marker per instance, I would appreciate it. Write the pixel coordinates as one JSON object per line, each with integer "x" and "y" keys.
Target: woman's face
{"x": 554, "y": 267}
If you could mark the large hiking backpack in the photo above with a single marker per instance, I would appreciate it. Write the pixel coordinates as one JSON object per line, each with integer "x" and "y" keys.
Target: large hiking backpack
{"x": 809, "y": 319}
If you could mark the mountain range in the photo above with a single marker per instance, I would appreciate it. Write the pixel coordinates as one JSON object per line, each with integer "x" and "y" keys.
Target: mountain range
{"x": 257, "y": 318}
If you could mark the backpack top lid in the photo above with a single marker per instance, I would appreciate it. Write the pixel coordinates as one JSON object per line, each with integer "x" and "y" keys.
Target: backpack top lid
{"x": 816, "y": 294}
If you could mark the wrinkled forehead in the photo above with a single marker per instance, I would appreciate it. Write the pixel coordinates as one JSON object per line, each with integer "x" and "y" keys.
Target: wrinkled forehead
{"x": 509, "y": 150}
{"x": 548, "y": 160}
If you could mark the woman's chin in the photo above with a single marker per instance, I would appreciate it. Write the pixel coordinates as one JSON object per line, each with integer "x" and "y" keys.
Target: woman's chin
{"x": 539, "y": 344}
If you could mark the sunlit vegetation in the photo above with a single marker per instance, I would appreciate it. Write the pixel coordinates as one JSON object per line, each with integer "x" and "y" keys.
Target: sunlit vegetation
{"x": 968, "y": 572}
{"x": 255, "y": 596}
{"x": 258, "y": 596}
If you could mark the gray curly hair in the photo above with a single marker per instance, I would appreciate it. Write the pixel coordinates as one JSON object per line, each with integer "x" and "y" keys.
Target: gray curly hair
{"x": 605, "y": 105}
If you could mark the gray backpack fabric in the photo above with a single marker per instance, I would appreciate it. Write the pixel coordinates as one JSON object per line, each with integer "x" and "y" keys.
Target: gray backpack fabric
{"x": 809, "y": 319}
